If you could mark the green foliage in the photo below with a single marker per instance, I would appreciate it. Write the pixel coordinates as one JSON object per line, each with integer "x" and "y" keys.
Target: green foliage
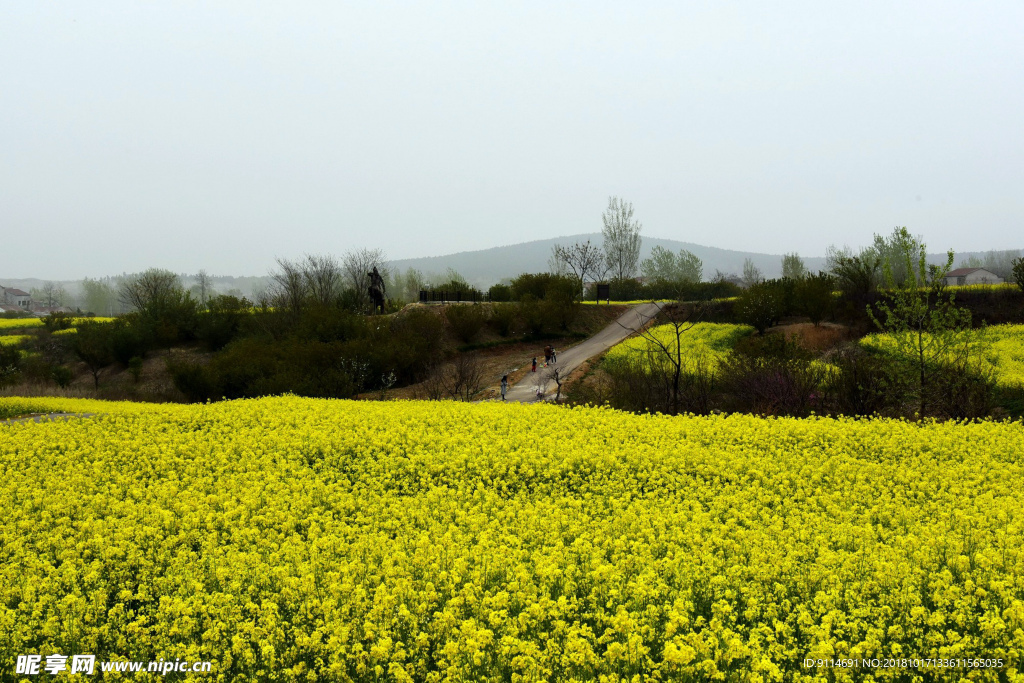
{"x": 665, "y": 267}
{"x": 329, "y": 353}
{"x": 762, "y": 305}
{"x": 897, "y": 252}
{"x": 1018, "y": 272}
{"x": 92, "y": 345}
{"x": 58, "y": 321}
{"x": 532, "y": 314}
{"x": 10, "y": 365}
{"x": 225, "y": 319}
{"x": 793, "y": 267}
{"x": 926, "y": 327}
{"x": 813, "y": 296}
{"x": 538, "y": 285}
{"x": 127, "y": 338}
{"x": 466, "y": 320}
{"x": 135, "y": 368}
{"x": 499, "y": 292}
{"x": 855, "y": 275}
{"x": 631, "y": 290}
{"x": 503, "y": 317}
{"x": 62, "y": 375}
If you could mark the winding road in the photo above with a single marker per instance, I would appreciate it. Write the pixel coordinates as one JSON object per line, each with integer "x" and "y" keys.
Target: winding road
{"x": 525, "y": 390}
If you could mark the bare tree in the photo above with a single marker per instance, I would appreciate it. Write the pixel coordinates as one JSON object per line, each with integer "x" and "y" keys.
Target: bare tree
{"x": 356, "y": 265}
{"x": 324, "y": 278}
{"x": 48, "y": 294}
{"x": 664, "y": 350}
{"x": 581, "y": 259}
{"x": 204, "y": 285}
{"x": 751, "y": 273}
{"x": 150, "y": 289}
{"x": 621, "y": 238}
{"x": 558, "y": 376}
{"x": 288, "y": 287}
{"x": 458, "y": 380}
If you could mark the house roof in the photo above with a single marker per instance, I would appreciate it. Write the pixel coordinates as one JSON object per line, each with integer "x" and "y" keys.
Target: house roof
{"x": 961, "y": 272}
{"x": 16, "y": 292}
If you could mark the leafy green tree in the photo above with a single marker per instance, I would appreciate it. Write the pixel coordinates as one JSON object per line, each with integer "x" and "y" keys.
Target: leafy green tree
{"x": 855, "y": 275}
{"x": 793, "y": 266}
{"x": 761, "y": 305}
{"x": 92, "y": 346}
{"x": 924, "y": 323}
{"x": 98, "y": 297}
{"x": 499, "y": 292}
{"x": 1018, "y": 272}
{"x": 814, "y": 296}
{"x": 751, "y": 274}
{"x": 664, "y": 266}
{"x": 892, "y": 250}
{"x": 621, "y": 239}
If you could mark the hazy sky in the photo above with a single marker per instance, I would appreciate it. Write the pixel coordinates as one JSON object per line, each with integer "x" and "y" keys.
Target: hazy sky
{"x": 219, "y": 135}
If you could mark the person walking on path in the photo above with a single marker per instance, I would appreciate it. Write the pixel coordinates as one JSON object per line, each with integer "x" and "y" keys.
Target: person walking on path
{"x": 534, "y": 365}
{"x": 504, "y": 386}
{"x": 554, "y": 358}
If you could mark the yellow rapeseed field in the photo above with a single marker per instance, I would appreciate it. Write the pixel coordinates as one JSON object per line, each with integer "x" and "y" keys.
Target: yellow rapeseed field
{"x": 710, "y": 341}
{"x": 291, "y": 539}
{"x": 7, "y": 324}
{"x": 13, "y": 339}
{"x": 1002, "y": 348}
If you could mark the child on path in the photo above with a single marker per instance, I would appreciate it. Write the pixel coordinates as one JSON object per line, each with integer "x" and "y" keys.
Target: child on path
{"x": 504, "y": 386}
{"x": 554, "y": 358}
{"x": 534, "y": 365}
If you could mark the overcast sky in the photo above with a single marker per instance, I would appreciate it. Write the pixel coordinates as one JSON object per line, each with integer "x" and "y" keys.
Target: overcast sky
{"x": 219, "y": 135}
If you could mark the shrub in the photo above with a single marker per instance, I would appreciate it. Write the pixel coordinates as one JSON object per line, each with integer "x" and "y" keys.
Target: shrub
{"x": 813, "y": 296}
{"x": 127, "y": 338}
{"x": 135, "y": 368}
{"x": 761, "y": 305}
{"x": 58, "y": 321}
{"x": 466, "y": 320}
{"x": 499, "y": 292}
{"x": 862, "y": 383}
{"x": 533, "y": 315}
{"x": 540, "y": 285}
{"x": 772, "y": 386}
{"x": 503, "y": 317}
{"x": 10, "y": 365}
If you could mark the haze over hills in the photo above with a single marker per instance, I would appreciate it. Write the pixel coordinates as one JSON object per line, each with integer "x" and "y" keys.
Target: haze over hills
{"x": 485, "y": 267}
{"x": 488, "y": 266}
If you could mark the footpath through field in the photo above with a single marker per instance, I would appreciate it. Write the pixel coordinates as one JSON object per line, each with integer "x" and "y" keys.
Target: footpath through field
{"x": 525, "y": 390}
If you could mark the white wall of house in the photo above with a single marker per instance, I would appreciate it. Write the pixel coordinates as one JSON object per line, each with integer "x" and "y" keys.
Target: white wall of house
{"x": 978, "y": 277}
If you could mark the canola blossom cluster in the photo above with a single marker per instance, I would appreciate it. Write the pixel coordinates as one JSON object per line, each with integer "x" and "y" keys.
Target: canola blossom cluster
{"x": 1001, "y": 351}
{"x": 13, "y": 339}
{"x": 704, "y": 341}
{"x": 17, "y": 323}
{"x": 288, "y": 539}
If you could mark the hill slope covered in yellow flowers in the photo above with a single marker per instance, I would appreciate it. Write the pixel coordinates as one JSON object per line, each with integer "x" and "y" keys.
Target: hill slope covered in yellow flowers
{"x": 293, "y": 539}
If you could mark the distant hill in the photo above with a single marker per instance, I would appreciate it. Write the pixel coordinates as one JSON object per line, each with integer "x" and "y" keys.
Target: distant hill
{"x": 485, "y": 267}
{"x": 488, "y": 266}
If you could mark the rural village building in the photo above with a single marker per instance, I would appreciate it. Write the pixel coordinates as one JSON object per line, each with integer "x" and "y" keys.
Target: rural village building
{"x": 15, "y": 297}
{"x": 972, "y": 276}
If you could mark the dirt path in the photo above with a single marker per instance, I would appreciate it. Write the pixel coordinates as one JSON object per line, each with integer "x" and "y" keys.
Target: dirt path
{"x": 525, "y": 391}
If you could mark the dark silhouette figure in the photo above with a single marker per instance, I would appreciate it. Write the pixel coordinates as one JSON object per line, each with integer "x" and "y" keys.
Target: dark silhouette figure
{"x": 376, "y": 290}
